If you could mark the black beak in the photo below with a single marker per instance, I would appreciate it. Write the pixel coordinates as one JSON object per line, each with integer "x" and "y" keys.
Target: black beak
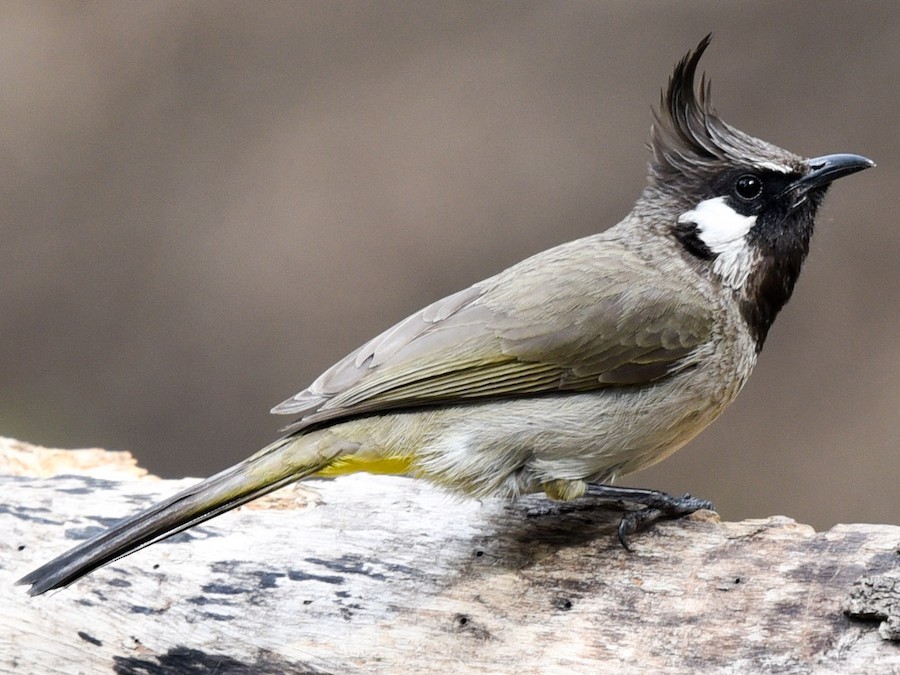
{"x": 823, "y": 170}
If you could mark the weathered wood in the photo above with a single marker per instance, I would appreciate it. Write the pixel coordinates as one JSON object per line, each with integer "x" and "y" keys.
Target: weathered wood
{"x": 384, "y": 574}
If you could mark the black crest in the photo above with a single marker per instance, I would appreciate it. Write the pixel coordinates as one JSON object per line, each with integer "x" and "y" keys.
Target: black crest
{"x": 689, "y": 137}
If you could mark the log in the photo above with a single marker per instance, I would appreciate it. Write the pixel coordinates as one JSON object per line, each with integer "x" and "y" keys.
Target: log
{"x": 384, "y": 574}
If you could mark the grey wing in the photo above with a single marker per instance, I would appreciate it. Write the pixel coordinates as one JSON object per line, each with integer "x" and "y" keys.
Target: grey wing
{"x": 429, "y": 329}
{"x": 553, "y": 323}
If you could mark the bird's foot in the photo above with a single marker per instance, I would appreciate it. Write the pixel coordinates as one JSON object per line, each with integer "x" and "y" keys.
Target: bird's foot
{"x": 657, "y": 506}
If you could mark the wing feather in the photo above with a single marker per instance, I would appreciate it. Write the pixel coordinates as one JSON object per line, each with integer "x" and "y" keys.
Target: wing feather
{"x": 613, "y": 322}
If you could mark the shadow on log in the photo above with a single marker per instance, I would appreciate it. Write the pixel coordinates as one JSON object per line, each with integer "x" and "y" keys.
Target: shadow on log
{"x": 366, "y": 574}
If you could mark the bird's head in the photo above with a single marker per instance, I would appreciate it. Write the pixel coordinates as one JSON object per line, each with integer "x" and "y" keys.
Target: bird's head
{"x": 744, "y": 208}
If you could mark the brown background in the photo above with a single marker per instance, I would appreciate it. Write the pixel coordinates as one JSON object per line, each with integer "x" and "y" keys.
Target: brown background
{"x": 206, "y": 204}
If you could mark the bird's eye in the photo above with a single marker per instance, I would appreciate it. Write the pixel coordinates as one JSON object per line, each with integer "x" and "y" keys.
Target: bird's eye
{"x": 748, "y": 187}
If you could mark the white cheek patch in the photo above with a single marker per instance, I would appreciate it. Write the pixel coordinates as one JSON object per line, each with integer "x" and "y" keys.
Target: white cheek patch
{"x": 724, "y": 231}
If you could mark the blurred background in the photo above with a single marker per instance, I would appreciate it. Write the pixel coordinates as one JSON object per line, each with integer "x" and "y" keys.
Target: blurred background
{"x": 206, "y": 204}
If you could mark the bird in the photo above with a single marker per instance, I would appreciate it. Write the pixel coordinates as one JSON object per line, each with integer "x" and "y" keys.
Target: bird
{"x": 572, "y": 368}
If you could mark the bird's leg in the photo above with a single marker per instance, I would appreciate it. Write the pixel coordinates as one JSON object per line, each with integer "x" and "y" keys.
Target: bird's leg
{"x": 657, "y": 506}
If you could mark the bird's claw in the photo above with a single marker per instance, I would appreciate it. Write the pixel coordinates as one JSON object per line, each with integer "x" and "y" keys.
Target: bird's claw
{"x": 661, "y": 507}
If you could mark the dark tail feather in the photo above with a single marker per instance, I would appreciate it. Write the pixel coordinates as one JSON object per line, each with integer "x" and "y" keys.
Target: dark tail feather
{"x": 266, "y": 471}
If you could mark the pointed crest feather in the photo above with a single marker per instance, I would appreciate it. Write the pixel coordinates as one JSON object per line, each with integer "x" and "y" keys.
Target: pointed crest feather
{"x": 688, "y": 136}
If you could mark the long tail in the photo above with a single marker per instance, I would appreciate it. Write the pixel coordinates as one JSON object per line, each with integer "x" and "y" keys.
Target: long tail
{"x": 279, "y": 464}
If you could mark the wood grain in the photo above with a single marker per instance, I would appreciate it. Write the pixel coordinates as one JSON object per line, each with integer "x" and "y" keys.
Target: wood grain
{"x": 380, "y": 574}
